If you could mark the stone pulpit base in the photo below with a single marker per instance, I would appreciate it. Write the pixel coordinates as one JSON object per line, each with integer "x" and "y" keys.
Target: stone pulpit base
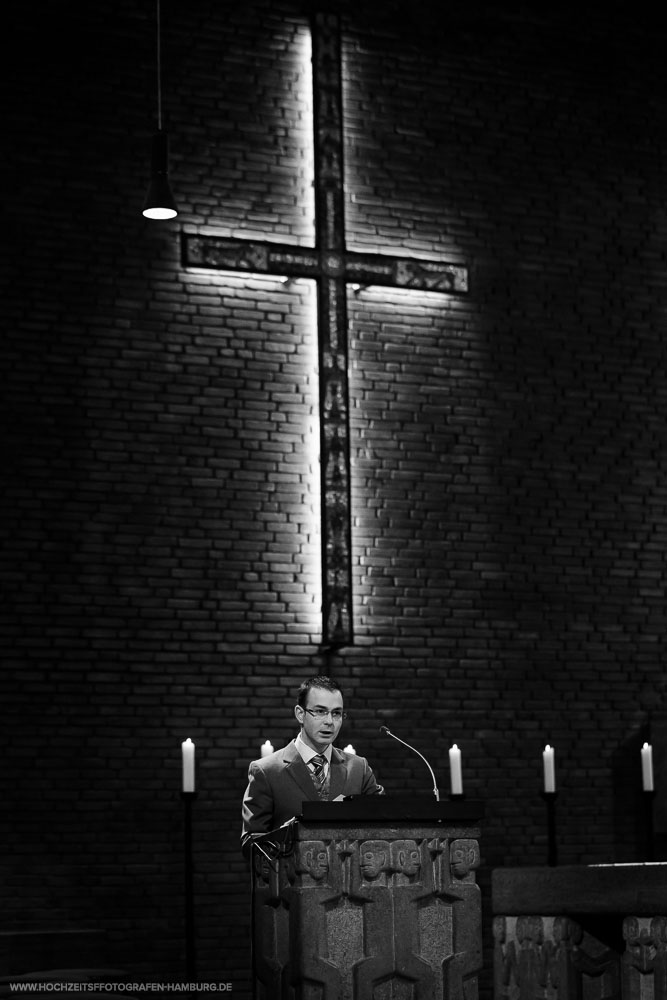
{"x": 369, "y": 899}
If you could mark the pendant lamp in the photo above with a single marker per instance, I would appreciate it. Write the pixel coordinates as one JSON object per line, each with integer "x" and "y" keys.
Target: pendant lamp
{"x": 159, "y": 203}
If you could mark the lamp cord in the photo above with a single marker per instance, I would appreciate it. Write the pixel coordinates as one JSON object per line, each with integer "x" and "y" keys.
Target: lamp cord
{"x": 159, "y": 69}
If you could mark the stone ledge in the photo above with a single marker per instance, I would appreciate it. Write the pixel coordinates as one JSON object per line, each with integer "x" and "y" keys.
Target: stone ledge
{"x": 637, "y": 889}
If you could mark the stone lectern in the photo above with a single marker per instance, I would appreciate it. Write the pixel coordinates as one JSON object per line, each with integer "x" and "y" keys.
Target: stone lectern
{"x": 372, "y": 898}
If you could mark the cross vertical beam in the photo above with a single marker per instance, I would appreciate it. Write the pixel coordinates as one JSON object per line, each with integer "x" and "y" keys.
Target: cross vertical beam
{"x": 332, "y": 266}
{"x": 337, "y": 618}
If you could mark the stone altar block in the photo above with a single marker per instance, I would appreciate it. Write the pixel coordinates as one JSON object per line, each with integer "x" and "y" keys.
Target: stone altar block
{"x": 596, "y": 932}
{"x": 371, "y": 898}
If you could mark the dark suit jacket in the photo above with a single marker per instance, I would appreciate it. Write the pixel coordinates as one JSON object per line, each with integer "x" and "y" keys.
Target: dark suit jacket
{"x": 279, "y": 783}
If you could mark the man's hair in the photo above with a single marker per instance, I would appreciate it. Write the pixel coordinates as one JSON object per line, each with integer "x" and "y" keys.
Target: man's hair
{"x": 315, "y": 682}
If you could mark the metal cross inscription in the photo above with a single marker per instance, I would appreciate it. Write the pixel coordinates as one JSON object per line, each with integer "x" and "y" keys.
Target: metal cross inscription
{"x": 333, "y": 267}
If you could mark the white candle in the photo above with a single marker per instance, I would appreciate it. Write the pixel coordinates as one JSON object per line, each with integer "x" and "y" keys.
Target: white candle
{"x": 350, "y": 749}
{"x": 455, "y": 776}
{"x": 188, "y": 749}
{"x": 266, "y": 749}
{"x": 647, "y": 767}
{"x": 548, "y": 759}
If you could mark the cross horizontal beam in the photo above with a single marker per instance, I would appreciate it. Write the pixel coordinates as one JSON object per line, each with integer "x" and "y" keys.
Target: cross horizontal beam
{"x": 228, "y": 254}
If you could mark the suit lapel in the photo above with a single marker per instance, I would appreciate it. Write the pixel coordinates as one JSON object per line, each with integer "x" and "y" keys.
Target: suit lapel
{"x": 298, "y": 772}
{"x": 338, "y": 773}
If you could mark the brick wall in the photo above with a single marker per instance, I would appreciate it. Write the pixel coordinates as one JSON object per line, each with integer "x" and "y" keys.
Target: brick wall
{"x": 160, "y": 488}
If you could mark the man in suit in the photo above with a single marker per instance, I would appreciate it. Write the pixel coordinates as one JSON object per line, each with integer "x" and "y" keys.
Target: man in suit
{"x": 310, "y": 767}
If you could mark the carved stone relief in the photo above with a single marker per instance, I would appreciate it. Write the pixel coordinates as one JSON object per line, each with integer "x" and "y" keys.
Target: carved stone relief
{"x": 368, "y": 918}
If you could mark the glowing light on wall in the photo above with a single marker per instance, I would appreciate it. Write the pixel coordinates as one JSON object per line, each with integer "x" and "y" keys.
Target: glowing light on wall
{"x": 445, "y": 305}
{"x": 393, "y": 334}
{"x": 306, "y": 171}
{"x": 310, "y": 533}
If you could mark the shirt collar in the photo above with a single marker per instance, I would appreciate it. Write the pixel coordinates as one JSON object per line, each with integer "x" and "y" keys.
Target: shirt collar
{"x": 307, "y": 753}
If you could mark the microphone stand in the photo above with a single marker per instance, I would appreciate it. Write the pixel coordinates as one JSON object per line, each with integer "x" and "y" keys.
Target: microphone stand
{"x": 383, "y": 729}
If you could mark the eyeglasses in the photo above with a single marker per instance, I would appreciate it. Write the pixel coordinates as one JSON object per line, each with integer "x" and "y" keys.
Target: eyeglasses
{"x": 321, "y": 713}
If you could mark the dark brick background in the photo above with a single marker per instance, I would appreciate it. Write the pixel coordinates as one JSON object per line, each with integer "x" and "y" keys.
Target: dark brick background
{"x": 159, "y": 515}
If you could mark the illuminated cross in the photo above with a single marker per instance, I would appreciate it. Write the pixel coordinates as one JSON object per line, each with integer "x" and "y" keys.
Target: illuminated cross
{"x": 333, "y": 267}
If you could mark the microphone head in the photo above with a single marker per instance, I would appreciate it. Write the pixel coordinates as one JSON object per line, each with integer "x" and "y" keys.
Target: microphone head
{"x": 383, "y": 729}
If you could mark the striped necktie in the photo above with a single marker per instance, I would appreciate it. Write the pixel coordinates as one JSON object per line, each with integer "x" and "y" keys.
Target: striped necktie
{"x": 317, "y": 763}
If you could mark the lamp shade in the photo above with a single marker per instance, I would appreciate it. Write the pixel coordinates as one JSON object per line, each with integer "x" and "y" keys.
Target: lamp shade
{"x": 159, "y": 202}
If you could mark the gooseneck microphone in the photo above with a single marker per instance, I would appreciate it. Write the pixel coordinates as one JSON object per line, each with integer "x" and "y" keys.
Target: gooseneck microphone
{"x": 383, "y": 729}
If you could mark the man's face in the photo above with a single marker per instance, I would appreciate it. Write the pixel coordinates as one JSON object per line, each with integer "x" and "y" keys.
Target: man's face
{"x": 405, "y": 857}
{"x": 313, "y": 860}
{"x": 319, "y": 733}
{"x": 373, "y": 859}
